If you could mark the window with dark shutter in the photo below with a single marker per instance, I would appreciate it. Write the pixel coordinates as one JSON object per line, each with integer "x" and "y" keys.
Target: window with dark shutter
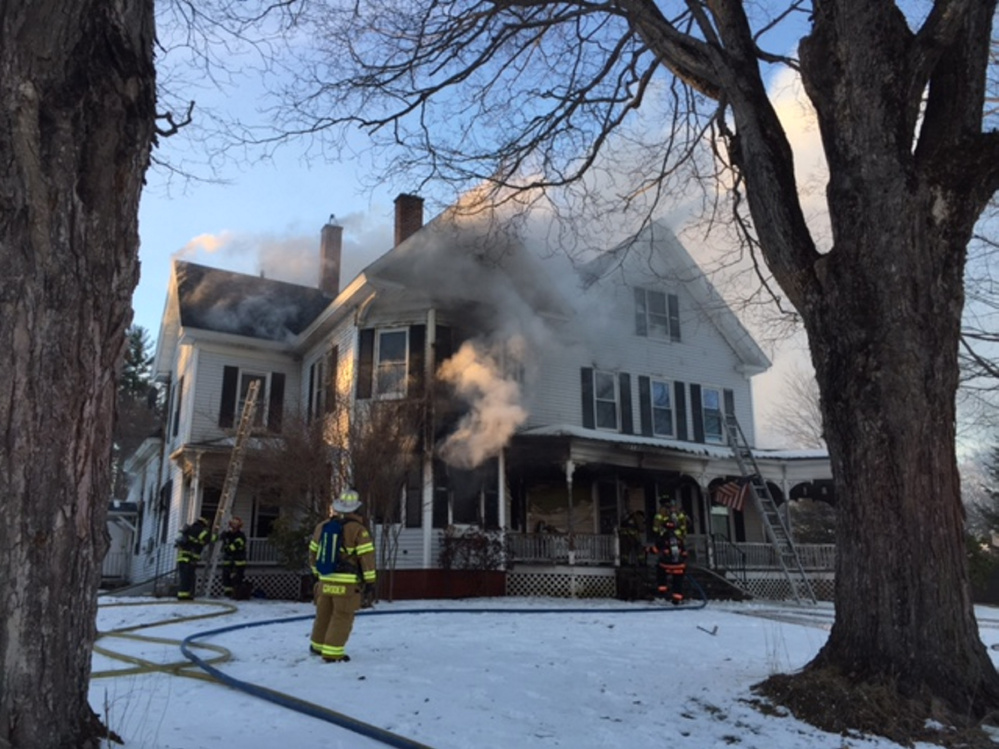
{"x": 275, "y": 405}
{"x": 641, "y": 318}
{"x": 227, "y": 404}
{"x": 662, "y": 408}
{"x": 417, "y": 359}
{"x": 627, "y": 424}
{"x": 680, "y": 394}
{"x": 315, "y": 377}
{"x": 365, "y": 361}
{"x": 178, "y": 395}
{"x": 697, "y": 412}
{"x": 414, "y": 497}
{"x": 729, "y": 396}
{"x": 674, "y": 316}
{"x": 713, "y": 416}
{"x": 645, "y": 404}
{"x": 586, "y": 387}
{"x": 391, "y": 356}
{"x": 443, "y": 345}
{"x": 332, "y": 364}
{"x": 605, "y": 400}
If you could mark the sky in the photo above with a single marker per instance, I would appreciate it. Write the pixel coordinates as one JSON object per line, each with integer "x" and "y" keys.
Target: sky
{"x": 489, "y": 673}
{"x": 266, "y": 218}
{"x": 257, "y": 215}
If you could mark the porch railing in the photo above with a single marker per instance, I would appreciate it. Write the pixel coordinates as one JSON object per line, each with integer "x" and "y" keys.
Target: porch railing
{"x": 731, "y": 556}
{"x": 601, "y": 549}
{"x": 260, "y": 551}
{"x": 814, "y": 557}
{"x": 551, "y": 548}
{"x": 115, "y": 565}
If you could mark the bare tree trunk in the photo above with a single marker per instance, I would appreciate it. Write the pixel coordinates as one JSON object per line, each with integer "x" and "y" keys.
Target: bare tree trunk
{"x": 886, "y": 360}
{"x": 77, "y": 86}
{"x": 883, "y": 313}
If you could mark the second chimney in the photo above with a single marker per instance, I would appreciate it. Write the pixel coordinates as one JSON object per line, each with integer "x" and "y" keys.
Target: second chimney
{"x": 330, "y": 249}
{"x": 408, "y": 216}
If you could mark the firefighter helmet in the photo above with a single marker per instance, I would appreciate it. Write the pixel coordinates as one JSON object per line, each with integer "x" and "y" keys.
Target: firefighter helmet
{"x": 348, "y": 501}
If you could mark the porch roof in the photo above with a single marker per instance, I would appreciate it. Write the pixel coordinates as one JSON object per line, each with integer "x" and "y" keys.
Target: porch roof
{"x": 642, "y": 443}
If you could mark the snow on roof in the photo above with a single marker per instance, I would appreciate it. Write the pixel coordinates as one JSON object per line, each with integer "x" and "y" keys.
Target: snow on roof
{"x": 692, "y": 448}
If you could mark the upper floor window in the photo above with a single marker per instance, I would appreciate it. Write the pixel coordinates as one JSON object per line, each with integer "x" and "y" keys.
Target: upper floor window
{"x": 662, "y": 409}
{"x": 317, "y": 389}
{"x": 712, "y": 415}
{"x": 605, "y": 399}
{"x": 178, "y": 393}
{"x": 657, "y": 315}
{"x": 390, "y": 363}
{"x": 270, "y": 397}
{"x": 245, "y": 378}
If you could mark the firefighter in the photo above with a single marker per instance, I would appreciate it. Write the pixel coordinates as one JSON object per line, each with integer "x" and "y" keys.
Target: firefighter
{"x": 630, "y": 534}
{"x": 190, "y": 542}
{"x": 342, "y": 582}
{"x": 671, "y": 552}
{"x": 669, "y": 512}
{"x": 233, "y": 557}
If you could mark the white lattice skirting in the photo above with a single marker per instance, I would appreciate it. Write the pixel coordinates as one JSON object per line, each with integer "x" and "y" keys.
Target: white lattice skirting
{"x": 543, "y": 581}
{"x": 772, "y": 588}
{"x": 279, "y": 585}
{"x": 562, "y": 582}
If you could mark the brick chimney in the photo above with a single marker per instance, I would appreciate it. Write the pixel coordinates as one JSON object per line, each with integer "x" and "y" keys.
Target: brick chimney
{"x": 408, "y": 216}
{"x": 330, "y": 249}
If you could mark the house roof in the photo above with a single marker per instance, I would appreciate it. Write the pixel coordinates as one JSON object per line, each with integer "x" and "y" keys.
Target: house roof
{"x": 239, "y": 304}
{"x": 233, "y": 304}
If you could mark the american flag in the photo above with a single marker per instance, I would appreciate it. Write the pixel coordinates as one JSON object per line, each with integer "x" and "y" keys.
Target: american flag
{"x": 733, "y": 494}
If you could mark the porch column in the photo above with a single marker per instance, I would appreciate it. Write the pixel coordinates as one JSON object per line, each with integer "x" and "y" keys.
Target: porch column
{"x": 428, "y": 463}
{"x": 501, "y": 488}
{"x": 195, "y": 500}
{"x": 709, "y": 547}
{"x": 570, "y": 468}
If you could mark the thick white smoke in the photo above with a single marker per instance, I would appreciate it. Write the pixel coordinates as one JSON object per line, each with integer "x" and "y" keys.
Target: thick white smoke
{"x": 482, "y": 377}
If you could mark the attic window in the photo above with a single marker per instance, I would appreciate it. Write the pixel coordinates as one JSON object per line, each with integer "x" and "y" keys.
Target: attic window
{"x": 657, "y": 315}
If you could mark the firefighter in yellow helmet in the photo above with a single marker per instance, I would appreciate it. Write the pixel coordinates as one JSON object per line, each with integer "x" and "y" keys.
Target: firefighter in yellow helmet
{"x": 670, "y": 528}
{"x": 342, "y": 556}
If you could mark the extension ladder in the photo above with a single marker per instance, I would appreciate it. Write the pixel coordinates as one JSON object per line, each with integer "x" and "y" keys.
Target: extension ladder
{"x": 224, "y": 512}
{"x": 777, "y": 531}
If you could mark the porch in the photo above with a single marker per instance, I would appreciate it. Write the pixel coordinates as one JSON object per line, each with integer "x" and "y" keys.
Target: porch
{"x": 753, "y": 567}
{"x": 707, "y": 550}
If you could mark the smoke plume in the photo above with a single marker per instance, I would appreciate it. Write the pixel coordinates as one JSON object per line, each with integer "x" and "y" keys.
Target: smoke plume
{"x": 478, "y": 377}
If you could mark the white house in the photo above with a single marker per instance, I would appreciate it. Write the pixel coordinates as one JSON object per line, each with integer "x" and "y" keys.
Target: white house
{"x": 578, "y": 395}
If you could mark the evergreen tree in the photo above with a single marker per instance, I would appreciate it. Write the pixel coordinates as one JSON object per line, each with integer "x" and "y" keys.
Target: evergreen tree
{"x": 138, "y": 415}
{"x": 137, "y": 362}
{"x": 983, "y": 515}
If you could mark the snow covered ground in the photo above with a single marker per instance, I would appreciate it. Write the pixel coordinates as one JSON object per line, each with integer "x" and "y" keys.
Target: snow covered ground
{"x": 452, "y": 675}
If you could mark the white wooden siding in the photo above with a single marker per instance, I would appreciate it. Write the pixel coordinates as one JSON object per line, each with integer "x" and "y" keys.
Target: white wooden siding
{"x": 206, "y": 397}
{"x": 608, "y": 342}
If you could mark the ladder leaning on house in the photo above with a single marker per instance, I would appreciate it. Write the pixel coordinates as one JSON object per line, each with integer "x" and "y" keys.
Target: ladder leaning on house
{"x": 224, "y": 511}
{"x": 776, "y": 530}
